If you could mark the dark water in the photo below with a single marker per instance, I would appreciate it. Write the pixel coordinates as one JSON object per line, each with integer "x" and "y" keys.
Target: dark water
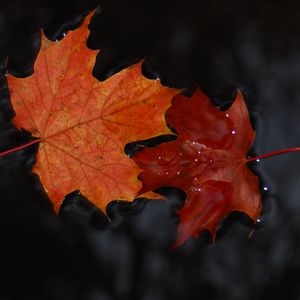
{"x": 252, "y": 45}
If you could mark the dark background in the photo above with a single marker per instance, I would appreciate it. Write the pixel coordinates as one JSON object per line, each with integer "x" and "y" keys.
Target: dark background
{"x": 220, "y": 45}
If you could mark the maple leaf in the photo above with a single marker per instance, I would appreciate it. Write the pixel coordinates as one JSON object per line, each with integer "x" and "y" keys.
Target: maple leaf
{"x": 82, "y": 125}
{"x": 207, "y": 160}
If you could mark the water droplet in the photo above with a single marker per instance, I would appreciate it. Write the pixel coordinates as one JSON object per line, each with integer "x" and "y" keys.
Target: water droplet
{"x": 258, "y": 221}
{"x": 6, "y": 74}
{"x": 227, "y": 115}
{"x": 198, "y": 189}
{"x": 258, "y": 160}
{"x": 159, "y": 157}
{"x": 193, "y": 143}
{"x": 167, "y": 173}
{"x": 56, "y": 40}
{"x": 64, "y": 34}
{"x": 233, "y": 132}
{"x": 210, "y": 160}
{"x": 178, "y": 173}
{"x": 265, "y": 188}
{"x": 180, "y": 154}
{"x": 199, "y": 152}
{"x": 196, "y": 159}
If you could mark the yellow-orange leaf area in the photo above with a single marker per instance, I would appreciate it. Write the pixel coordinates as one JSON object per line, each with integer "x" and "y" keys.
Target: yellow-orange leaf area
{"x": 83, "y": 124}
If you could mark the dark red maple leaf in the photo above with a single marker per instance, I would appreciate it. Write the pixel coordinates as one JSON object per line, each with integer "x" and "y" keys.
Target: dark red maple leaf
{"x": 207, "y": 160}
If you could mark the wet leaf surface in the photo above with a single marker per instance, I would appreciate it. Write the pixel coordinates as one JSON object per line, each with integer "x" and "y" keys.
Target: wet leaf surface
{"x": 207, "y": 160}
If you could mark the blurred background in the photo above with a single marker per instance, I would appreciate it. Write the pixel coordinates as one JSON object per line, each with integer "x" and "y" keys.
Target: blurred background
{"x": 220, "y": 46}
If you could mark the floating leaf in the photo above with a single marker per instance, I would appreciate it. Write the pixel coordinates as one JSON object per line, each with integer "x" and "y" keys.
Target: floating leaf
{"x": 207, "y": 160}
{"x": 82, "y": 125}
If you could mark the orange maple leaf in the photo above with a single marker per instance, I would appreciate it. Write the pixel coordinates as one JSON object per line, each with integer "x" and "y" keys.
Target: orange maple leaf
{"x": 82, "y": 125}
{"x": 208, "y": 161}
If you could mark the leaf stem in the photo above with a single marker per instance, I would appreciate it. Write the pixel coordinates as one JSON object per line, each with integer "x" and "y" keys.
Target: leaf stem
{"x": 273, "y": 153}
{"x": 19, "y": 147}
